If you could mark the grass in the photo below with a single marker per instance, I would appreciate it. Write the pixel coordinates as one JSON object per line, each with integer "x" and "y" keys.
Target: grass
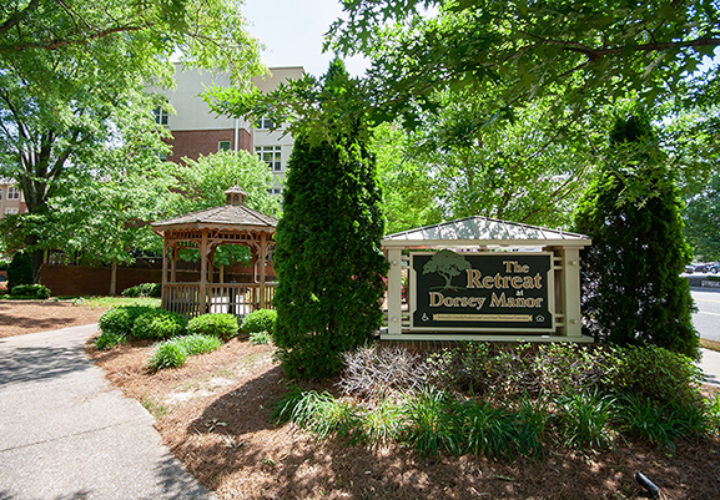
{"x": 107, "y": 302}
{"x": 713, "y": 345}
{"x": 155, "y": 408}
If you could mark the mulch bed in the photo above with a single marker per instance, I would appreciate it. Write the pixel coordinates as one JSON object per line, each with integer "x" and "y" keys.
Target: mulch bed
{"x": 213, "y": 413}
{"x": 18, "y": 317}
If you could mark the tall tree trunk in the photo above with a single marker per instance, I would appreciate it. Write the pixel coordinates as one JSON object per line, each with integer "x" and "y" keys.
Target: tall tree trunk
{"x": 113, "y": 278}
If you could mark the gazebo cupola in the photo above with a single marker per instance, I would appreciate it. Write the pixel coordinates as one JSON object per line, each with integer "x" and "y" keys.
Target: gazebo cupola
{"x": 235, "y": 196}
{"x": 205, "y": 230}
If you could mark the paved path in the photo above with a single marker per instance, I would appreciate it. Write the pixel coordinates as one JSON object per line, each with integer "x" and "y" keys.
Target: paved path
{"x": 65, "y": 433}
{"x": 710, "y": 364}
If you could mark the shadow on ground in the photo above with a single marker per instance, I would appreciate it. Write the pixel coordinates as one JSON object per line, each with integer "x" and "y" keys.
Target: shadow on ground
{"x": 24, "y": 364}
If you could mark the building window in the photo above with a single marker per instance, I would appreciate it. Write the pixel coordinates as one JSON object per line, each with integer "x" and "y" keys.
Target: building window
{"x": 223, "y": 145}
{"x": 11, "y": 211}
{"x": 265, "y": 123}
{"x": 1, "y": 193}
{"x": 274, "y": 191}
{"x": 161, "y": 116}
{"x": 271, "y": 156}
{"x": 13, "y": 193}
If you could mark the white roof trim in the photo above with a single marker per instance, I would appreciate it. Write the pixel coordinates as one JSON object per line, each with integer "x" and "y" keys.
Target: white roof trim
{"x": 486, "y": 231}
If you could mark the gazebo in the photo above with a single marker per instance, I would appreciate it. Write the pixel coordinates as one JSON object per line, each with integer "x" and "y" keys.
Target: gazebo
{"x": 206, "y": 230}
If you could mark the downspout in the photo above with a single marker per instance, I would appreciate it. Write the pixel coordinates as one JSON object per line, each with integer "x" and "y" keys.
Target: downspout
{"x": 235, "y": 142}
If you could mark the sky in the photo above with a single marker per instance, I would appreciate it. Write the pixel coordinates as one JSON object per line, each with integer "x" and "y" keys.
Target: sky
{"x": 293, "y": 33}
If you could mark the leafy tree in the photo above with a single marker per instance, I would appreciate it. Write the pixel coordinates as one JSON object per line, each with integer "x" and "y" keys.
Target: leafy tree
{"x": 410, "y": 197}
{"x": 73, "y": 78}
{"x": 447, "y": 264}
{"x": 702, "y": 221}
{"x": 20, "y": 270}
{"x": 327, "y": 255}
{"x": 202, "y": 183}
{"x": 578, "y": 54}
{"x": 632, "y": 289}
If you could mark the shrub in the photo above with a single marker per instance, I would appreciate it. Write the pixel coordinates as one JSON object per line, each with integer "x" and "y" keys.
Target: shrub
{"x": 583, "y": 419}
{"x": 30, "y": 291}
{"x": 262, "y": 320}
{"x": 370, "y": 372}
{"x": 143, "y": 290}
{"x": 568, "y": 368}
{"x": 120, "y": 320}
{"x": 260, "y": 338}
{"x": 199, "y": 344}
{"x": 158, "y": 324}
{"x": 327, "y": 254}
{"x": 109, "y": 340}
{"x": 169, "y": 354}
{"x": 632, "y": 289}
{"x": 20, "y": 270}
{"x": 224, "y": 326}
{"x": 652, "y": 373}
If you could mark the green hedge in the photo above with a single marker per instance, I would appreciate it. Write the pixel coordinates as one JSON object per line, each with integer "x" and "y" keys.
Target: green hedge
{"x": 223, "y": 326}
{"x": 143, "y": 290}
{"x": 159, "y": 324}
{"x": 30, "y": 291}
{"x": 120, "y": 320}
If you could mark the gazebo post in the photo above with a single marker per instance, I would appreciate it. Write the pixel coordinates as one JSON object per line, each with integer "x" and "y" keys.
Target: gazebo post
{"x": 203, "y": 272}
{"x": 173, "y": 263}
{"x": 164, "y": 263}
{"x": 263, "y": 258}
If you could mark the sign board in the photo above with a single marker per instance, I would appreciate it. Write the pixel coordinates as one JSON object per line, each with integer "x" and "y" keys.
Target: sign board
{"x": 482, "y": 292}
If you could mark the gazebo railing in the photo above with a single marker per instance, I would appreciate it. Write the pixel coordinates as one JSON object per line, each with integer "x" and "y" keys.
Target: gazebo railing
{"x": 238, "y": 299}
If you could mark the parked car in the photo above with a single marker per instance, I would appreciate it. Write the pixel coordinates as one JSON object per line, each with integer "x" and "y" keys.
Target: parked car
{"x": 689, "y": 269}
{"x": 713, "y": 267}
{"x": 701, "y": 268}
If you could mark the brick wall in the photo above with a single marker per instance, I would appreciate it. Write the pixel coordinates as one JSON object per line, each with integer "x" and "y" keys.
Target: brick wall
{"x": 193, "y": 143}
{"x": 86, "y": 280}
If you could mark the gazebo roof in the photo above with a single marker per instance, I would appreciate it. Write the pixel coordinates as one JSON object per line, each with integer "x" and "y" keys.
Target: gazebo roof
{"x": 484, "y": 230}
{"x": 233, "y": 216}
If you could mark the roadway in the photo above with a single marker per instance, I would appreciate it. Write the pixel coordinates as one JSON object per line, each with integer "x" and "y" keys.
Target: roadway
{"x": 707, "y": 318}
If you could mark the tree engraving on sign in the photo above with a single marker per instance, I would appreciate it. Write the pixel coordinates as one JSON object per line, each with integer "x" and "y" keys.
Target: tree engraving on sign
{"x": 448, "y": 265}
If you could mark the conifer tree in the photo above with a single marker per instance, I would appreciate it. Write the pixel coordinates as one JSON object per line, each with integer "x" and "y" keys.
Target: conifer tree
{"x": 632, "y": 290}
{"x": 327, "y": 257}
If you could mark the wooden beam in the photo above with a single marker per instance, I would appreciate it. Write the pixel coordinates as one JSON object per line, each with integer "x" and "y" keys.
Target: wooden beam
{"x": 173, "y": 264}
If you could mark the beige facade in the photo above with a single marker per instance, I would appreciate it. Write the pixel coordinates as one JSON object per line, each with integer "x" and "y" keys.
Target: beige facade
{"x": 11, "y": 198}
{"x": 197, "y": 130}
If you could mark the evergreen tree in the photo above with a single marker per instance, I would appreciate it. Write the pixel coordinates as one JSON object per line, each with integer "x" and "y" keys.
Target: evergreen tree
{"x": 632, "y": 289}
{"x": 20, "y": 271}
{"x": 327, "y": 257}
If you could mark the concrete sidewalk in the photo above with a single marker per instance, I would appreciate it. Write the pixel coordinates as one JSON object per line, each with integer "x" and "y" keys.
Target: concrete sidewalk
{"x": 710, "y": 364}
{"x": 66, "y": 433}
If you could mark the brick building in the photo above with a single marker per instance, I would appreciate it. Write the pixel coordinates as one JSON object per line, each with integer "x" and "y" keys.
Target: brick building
{"x": 11, "y": 198}
{"x": 198, "y": 131}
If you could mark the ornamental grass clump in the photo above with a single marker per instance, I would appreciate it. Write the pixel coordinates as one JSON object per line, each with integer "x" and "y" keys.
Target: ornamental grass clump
{"x": 167, "y": 355}
{"x": 174, "y": 352}
{"x": 221, "y": 325}
{"x": 583, "y": 420}
{"x": 159, "y": 324}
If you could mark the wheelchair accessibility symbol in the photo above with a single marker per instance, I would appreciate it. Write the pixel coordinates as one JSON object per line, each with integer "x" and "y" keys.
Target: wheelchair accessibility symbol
{"x": 539, "y": 318}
